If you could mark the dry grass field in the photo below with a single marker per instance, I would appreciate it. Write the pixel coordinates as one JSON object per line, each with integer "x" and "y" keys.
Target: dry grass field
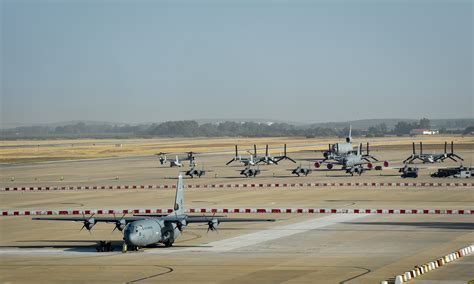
{"x": 26, "y": 151}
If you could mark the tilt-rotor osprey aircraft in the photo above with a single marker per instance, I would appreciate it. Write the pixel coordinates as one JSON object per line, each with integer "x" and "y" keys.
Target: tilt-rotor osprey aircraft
{"x": 244, "y": 160}
{"x": 255, "y": 159}
{"x": 269, "y": 160}
{"x": 432, "y": 158}
{"x": 353, "y": 162}
{"x": 178, "y": 161}
{"x": 144, "y": 230}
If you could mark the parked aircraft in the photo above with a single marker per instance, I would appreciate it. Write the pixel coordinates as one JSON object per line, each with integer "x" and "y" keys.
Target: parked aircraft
{"x": 339, "y": 149}
{"x": 195, "y": 172}
{"x": 431, "y": 158}
{"x": 271, "y": 160}
{"x": 144, "y": 230}
{"x": 301, "y": 171}
{"x": 244, "y": 160}
{"x": 250, "y": 172}
{"x": 178, "y": 161}
{"x": 353, "y": 162}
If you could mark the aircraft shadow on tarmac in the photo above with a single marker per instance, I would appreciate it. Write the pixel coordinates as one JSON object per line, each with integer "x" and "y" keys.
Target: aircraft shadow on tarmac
{"x": 84, "y": 246}
{"x": 430, "y": 225}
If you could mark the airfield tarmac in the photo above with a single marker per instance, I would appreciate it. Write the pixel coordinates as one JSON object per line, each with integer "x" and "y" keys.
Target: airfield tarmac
{"x": 321, "y": 248}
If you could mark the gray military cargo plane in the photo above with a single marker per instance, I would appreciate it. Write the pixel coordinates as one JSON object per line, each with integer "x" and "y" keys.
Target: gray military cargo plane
{"x": 432, "y": 158}
{"x": 145, "y": 230}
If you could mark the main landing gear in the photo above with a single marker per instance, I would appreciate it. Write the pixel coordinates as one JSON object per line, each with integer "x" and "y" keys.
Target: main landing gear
{"x": 126, "y": 248}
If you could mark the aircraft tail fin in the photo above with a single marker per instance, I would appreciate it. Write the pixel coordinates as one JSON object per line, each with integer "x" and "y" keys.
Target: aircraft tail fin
{"x": 349, "y": 138}
{"x": 179, "y": 200}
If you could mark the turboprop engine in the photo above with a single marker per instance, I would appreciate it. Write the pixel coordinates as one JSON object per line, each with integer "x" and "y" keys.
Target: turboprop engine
{"x": 120, "y": 224}
{"x": 212, "y": 225}
{"x": 88, "y": 224}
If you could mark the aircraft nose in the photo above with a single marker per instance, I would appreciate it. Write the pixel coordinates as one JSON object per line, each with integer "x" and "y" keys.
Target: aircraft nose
{"x": 130, "y": 238}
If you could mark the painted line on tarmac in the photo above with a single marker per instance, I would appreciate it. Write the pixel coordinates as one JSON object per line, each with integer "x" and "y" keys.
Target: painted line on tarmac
{"x": 269, "y": 234}
{"x": 80, "y": 212}
{"x": 377, "y": 185}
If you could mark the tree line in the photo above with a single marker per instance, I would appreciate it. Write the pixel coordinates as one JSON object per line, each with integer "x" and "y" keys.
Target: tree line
{"x": 190, "y": 128}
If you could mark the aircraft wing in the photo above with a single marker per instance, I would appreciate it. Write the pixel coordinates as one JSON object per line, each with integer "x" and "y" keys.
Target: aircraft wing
{"x": 205, "y": 219}
{"x": 168, "y": 218}
{"x": 96, "y": 219}
{"x": 313, "y": 159}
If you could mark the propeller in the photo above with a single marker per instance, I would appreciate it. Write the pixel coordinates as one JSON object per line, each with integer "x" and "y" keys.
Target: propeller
{"x": 285, "y": 156}
{"x": 88, "y": 222}
{"x": 119, "y": 223}
{"x": 212, "y": 224}
{"x": 235, "y": 157}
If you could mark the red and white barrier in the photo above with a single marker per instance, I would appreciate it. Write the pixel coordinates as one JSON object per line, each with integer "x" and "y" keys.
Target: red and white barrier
{"x": 247, "y": 185}
{"x": 432, "y": 265}
{"x": 26, "y": 212}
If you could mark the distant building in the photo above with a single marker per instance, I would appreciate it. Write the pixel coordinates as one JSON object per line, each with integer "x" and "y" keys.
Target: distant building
{"x": 424, "y": 132}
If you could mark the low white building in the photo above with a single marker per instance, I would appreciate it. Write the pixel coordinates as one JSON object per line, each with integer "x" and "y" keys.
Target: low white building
{"x": 424, "y": 132}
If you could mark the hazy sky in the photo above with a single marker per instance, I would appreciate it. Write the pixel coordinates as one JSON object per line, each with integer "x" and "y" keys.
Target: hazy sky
{"x": 311, "y": 61}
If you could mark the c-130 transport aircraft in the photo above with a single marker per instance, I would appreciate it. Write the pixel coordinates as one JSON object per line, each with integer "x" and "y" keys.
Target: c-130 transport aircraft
{"x": 145, "y": 230}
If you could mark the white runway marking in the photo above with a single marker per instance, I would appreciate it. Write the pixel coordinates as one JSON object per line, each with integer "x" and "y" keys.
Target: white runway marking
{"x": 268, "y": 234}
{"x": 279, "y": 232}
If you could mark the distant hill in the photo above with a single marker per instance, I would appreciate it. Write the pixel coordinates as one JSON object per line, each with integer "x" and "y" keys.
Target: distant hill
{"x": 255, "y": 120}
{"x": 364, "y": 124}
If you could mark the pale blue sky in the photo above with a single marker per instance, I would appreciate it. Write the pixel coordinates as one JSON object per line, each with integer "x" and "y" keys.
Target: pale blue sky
{"x": 309, "y": 61}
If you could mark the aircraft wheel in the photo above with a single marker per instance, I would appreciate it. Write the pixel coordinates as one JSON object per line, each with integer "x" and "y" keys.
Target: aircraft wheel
{"x": 168, "y": 244}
